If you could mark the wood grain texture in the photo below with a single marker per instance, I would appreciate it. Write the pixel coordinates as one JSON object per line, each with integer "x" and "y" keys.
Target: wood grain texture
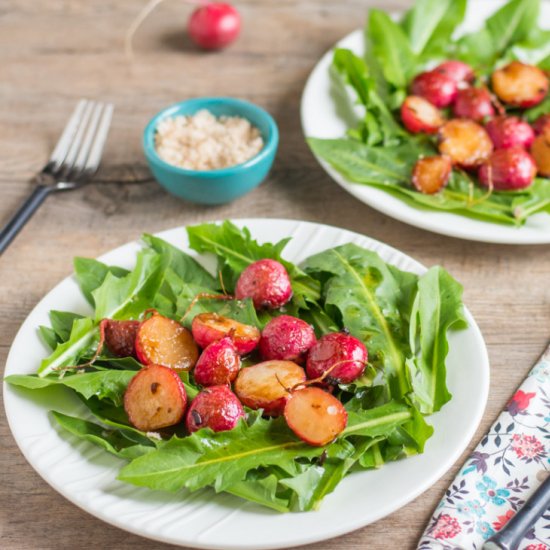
{"x": 55, "y": 51}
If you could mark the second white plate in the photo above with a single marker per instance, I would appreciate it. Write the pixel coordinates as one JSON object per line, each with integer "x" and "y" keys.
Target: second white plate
{"x": 86, "y": 475}
{"x": 322, "y": 118}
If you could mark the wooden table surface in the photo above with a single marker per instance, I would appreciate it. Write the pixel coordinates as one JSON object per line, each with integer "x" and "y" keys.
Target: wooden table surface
{"x": 56, "y": 51}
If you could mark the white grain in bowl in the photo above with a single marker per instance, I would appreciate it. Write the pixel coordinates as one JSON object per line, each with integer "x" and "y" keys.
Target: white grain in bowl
{"x": 205, "y": 142}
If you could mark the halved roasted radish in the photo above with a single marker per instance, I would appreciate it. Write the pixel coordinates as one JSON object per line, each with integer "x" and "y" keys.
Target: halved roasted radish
{"x": 419, "y": 115}
{"x": 120, "y": 336}
{"x": 264, "y": 386}
{"x": 163, "y": 341}
{"x": 155, "y": 398}
{"x": 430, "y": 174}
{"x": 541, "y": 124}
{"x": 216, "y": 408}
{"x": 218, "y": 364}
{"x": 520, "y": 84}
{"x": 541, "y": 152}
{"x": 211, "y": 327}
{"x": 315, "y": 416}
{"x": 465, "y": 142}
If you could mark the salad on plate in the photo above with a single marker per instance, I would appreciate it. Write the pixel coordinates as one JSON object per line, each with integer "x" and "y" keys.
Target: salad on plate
{"x": 260, "y": 378}
{"x": 446, "y": 120}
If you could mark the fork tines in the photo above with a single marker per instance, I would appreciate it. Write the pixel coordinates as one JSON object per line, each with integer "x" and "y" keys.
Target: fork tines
{"x": 79, "y": 149}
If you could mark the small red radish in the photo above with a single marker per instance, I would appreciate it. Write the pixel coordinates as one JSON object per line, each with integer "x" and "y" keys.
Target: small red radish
{"x": 439, "y": 89}
{"x": 155, "y": 398}
{"x": 508, "y": 169}
{"x": 218, "y": 364}
{"x": 264, "y": 386}
{"x": 315, "y": 416}
{"x": 510, "y": 131}
{"x": 163, "y": 341}
{"x": 419, "y": 115}
{"x": 217, "y": 408}
{"x": 430, "y": 174}
{"x": 519, "y": 84}
{"x": 339, "y": 354}
{"x": 473, "y": 103}
{"x": 120, "y": 336}
{"x": 266, "y": 282}
{"x": 211, "y": 327}
{"x": 541, "y": 124}
{"x": 457, "y": 70}
{"x": 286, "y": 338}
{"x": 541, "y": 152}
{"x": 214, "y": 25}
{"x": 465, "y": 142}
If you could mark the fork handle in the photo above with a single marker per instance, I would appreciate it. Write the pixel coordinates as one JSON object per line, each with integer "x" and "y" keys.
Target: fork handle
{"x": 23, "y": 215}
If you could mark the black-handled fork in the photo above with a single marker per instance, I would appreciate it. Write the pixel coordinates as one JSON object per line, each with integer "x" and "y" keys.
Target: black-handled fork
{"x": 74, "y": 161}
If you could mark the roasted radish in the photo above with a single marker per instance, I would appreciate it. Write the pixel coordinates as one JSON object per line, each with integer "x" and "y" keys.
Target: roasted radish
{"x": 163, "y": 341}
{"x": 465, "y": 142}
{"x": 541, "y": 153}
{"x": 439, "y": 89}
{"x": 120, "y": 336}
{"x": 430, "y": 174}
{"x": 419, "y": 115}
{"x": 266, "y": 282}
{"x": 473, "y": 103}
{"x": 286, "y": 338}
{"x": 510, "y": 131}
{"x": 541, "y": 124}
{"x": 211, "y": 327}
{"x": 216, "y": 408}
{"x": 265, "y": 385}
{"x": 457, "y": 70}
{"x": 519, "y": 84}
{"x": 508, "y": 169}
{"x": 315, "y": 416}
{"x": 338, "y": 356}
{"x": 155, "y": 398}
{"x": 218, "y": 364}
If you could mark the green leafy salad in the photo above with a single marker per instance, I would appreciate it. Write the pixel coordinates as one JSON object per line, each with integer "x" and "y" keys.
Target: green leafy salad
{"x": 475, "y": 104}
{"x": 136, "y": 362}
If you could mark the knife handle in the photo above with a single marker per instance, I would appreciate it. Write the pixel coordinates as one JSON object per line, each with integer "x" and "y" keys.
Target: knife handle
{"x": 512, "y": 533}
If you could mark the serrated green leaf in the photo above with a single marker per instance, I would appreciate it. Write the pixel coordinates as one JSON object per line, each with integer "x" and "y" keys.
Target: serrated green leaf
{"x": 90, "y": 274}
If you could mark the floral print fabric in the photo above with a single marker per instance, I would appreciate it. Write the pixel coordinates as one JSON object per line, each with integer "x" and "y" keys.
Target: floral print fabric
{"x": 505, "y": 469}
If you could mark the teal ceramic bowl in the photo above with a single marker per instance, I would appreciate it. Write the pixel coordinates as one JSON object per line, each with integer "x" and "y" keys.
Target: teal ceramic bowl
{"x": 214, "y": 186}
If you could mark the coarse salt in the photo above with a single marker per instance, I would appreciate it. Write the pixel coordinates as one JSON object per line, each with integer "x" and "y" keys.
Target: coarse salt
{"x": 205, "y": 142}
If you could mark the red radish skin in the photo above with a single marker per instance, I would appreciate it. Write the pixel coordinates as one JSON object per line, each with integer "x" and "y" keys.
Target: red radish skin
{"x": 431, "y": 174}
{"x": 419, "y": 115}
{"x": 266, "y": 282}
{"x": 439, "y": 89}
{"x": 214, "y": 25}
{"x": 120, "y": 336}
{"x": 315, "y": 416}
{"x": 541, "y": 153}
{"x": 163, "y": 341}
{"x": 211, "y": 327}
{"x": 341, "y": 349}
{"x": 264, "y": 386}
{"x": 216, "y": 408}
{"x": 465, "y": 142}
{"x": 218, "y": 364}
{"x": 457, "y": 70}
{"x": 510, "y": 131}
{"x": 286, "y": 338}
{"x": 541, "y": 124}
{"x": 508, "y": 169}
{"x": 473, "y": 103}
{"x": 520, "y": 85}
{"x": 155, "y": 398}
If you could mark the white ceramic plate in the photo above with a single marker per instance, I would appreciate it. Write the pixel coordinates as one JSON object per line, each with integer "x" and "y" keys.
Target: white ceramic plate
{"x": 86, "y": 475}
{"x": 322, "y": 112}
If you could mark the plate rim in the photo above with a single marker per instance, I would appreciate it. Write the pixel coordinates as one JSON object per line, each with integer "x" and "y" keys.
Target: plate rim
{"x": 343, "y": 528}
{"x": 383, "y": 202}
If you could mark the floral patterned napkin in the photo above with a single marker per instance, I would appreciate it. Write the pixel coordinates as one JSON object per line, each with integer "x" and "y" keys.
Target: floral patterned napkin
{"x": 505, "y": 469}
